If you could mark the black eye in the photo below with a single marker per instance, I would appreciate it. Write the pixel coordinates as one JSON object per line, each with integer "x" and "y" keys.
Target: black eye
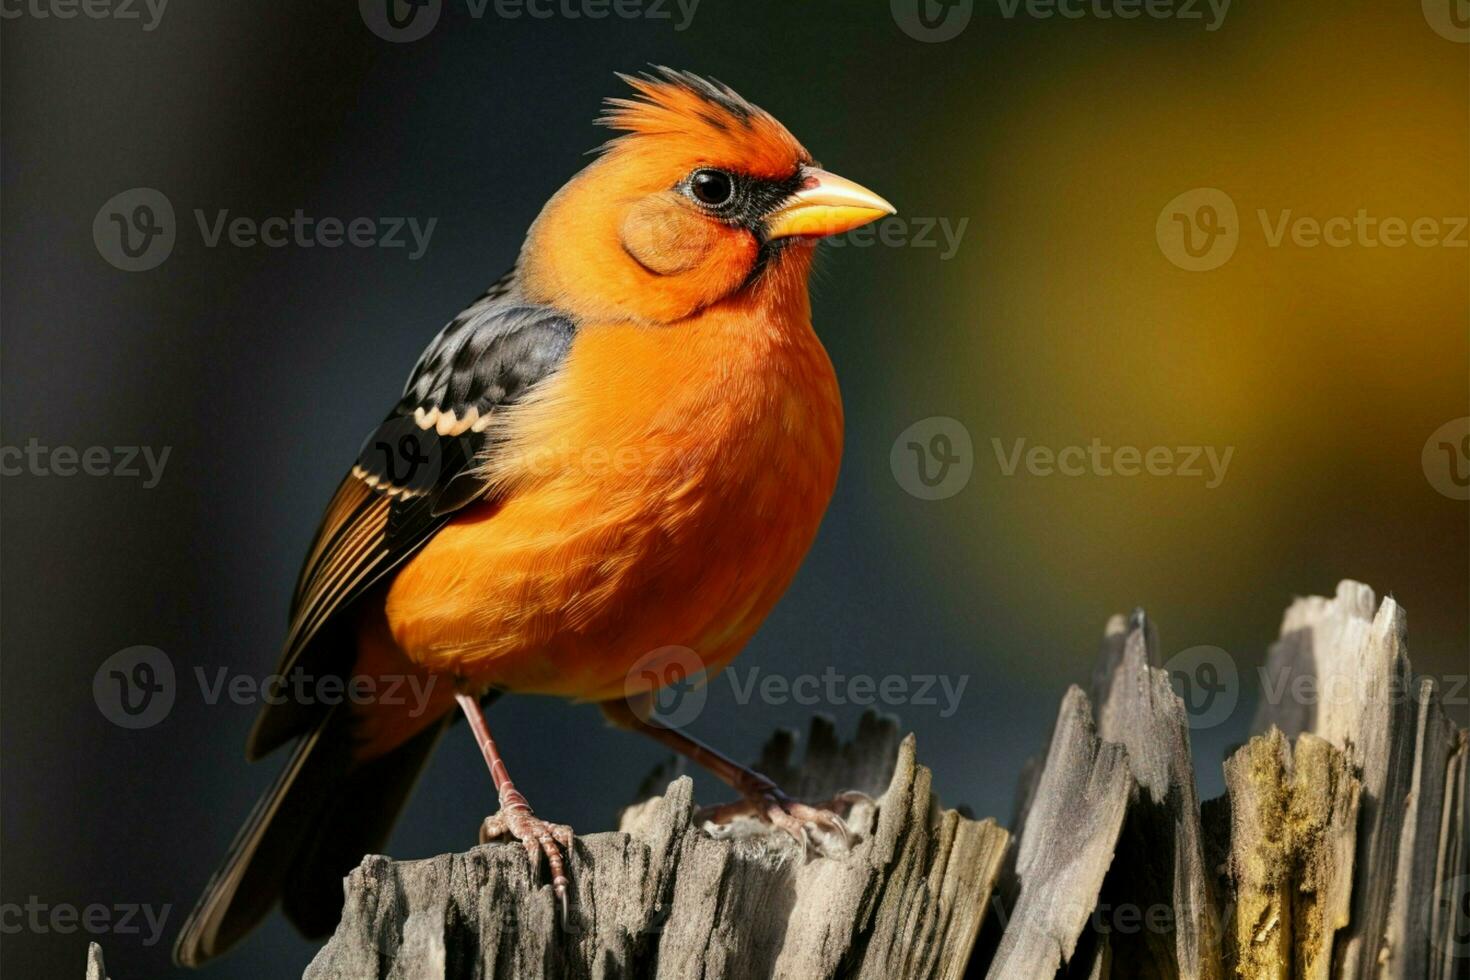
{"x": 712, "y": 187}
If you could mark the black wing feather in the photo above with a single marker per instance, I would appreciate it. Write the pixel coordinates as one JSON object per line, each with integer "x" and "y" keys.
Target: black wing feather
{"x": 416, "y": 469}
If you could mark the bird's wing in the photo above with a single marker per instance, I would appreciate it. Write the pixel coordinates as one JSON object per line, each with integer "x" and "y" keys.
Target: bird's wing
{"x": 414, "y": 471}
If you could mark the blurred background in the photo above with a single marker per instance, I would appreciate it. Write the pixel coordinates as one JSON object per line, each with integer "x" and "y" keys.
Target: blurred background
{"x": 1093, "y": 288}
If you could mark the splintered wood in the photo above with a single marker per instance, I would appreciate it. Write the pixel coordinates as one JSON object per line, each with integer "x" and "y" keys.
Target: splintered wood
{"x": 664, "y": 898}
{"x": 1337, "y": 851}
{"x": 1405, "y": 915}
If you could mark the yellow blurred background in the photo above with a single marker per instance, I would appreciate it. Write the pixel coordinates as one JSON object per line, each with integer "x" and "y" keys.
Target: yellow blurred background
{"x": 1325, "y": 368}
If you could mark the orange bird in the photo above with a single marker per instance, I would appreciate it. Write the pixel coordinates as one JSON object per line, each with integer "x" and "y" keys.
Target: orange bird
{"x": 625, "y": 445}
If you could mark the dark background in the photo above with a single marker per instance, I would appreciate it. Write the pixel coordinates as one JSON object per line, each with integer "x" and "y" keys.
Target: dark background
{"x": 1058, "y": 320}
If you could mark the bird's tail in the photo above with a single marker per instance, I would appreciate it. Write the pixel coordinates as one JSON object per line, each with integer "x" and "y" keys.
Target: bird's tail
{"x": 315, "y": 823}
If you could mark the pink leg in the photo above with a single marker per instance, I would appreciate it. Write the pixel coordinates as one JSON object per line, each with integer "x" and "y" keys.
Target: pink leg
{"x": 516, "y": 818}
{"x": 760, "y": 796}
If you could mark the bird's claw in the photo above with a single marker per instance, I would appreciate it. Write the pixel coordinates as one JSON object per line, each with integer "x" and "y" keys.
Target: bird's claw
{"x": 540, "y": 839}
{"x": 766, "y": 802}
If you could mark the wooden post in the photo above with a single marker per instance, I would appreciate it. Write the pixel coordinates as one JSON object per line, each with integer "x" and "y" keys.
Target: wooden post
{"x": 1338, "y": 851}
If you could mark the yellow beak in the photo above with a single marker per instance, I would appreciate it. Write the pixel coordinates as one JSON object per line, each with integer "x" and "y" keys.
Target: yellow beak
{"x": 826, "y": 205}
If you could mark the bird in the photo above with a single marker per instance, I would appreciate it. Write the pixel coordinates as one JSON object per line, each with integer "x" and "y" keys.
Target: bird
{"x": 624, "y": 446}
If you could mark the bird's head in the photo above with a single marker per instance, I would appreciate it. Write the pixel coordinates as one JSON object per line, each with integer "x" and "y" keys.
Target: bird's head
{"x": 701, "y": 197}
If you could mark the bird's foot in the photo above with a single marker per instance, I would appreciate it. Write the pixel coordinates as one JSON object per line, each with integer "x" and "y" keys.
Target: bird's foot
{"x": 538, "y": 838}
{"x": 764, "y": 801}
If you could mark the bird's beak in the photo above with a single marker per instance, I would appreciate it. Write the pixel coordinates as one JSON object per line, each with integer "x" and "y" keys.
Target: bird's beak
{"x": 825, "y": 205}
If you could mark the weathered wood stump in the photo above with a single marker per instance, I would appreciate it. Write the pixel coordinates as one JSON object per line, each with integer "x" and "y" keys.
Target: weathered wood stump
{"x": 1337, "y": 851}
{"x": 663, "y": 898}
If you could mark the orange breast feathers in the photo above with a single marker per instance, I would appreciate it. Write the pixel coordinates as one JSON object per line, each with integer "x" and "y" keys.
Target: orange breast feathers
{"x": 661, "y": 489}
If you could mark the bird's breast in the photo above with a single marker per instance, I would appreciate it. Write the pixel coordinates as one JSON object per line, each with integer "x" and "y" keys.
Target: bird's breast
{"x": 661, "y": 491}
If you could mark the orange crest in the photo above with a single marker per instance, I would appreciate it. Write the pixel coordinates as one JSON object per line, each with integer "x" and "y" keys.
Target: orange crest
{"x": 680, "y": 115}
